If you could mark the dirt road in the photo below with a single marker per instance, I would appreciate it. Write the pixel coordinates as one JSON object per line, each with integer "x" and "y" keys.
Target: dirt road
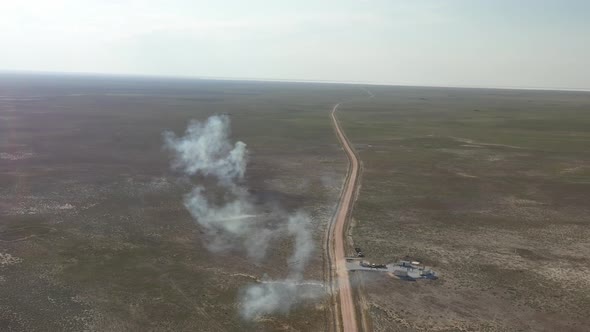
{"x": 337, "y": 236}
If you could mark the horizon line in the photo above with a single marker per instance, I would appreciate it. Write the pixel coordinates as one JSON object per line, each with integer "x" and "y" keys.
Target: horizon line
{"x": 286, "y": 80}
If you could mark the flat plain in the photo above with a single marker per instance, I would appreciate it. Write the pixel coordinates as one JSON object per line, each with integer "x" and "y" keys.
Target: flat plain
{"x": 93, "y": 231}
{"x": 488, "y": 187}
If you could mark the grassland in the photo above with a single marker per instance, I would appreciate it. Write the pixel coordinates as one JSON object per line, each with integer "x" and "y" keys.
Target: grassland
{"x": 488, "y": 187}
{"x": 93, "y": 232}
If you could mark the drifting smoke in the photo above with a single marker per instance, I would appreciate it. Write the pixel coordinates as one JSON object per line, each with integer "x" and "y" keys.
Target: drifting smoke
{"x": 277, "y": 296}
{"x": 205, "y": 150}
{"x": 298, "y": 228}
{"x": 280, "y": 296}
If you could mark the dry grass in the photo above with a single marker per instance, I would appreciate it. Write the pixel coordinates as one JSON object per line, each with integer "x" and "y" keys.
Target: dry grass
{"x": 494, "y": 200}
{"x": 88, "y": 201}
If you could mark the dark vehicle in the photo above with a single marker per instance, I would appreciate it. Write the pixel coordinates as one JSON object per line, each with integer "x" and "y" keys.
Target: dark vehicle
{"x": 359, "y": 253}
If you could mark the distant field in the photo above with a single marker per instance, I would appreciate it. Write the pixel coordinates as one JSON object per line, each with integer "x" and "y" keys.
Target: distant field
{"x": 488, "y": 187}
{"x": 93, "y": 232}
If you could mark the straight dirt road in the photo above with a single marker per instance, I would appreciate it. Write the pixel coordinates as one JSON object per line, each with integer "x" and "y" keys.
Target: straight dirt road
{"x": 337, "y": 236}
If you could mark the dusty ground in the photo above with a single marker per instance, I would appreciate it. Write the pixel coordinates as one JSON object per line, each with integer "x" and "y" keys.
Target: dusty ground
{"x": 490, "y": 188}
{"x": 337, "y": 235}
{"x": 93, "y": 233}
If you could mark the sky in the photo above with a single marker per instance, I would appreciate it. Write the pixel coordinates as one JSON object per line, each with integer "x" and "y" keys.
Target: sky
{"x": 494, "y": 43}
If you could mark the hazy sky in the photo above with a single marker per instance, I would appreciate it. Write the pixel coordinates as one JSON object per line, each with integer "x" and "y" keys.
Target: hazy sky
{"x": 507, "y": 43}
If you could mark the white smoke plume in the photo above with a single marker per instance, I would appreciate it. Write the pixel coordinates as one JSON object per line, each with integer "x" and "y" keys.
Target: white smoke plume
{"x": 277, "y": 296}
{"x": 297, "y": 226}
{"x": 280, "y": 295}
{"x": 205, "y": 150}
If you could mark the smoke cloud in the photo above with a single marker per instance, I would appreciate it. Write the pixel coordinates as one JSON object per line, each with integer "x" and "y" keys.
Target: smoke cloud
{"x": 205, "y": 150}
{"x": 277, "y": 296}
{"x": 234, "y": 221}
